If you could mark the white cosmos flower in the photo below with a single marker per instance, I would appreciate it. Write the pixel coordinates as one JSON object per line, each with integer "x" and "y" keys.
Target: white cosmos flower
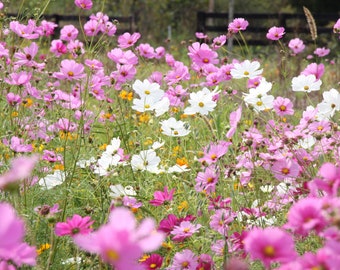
{"x": 258, "y": 96}
{"x": 147, "y": 160}
{"x": 83, "y": 163}
{"x": 178, "y": 169}
{"x": 174, "y": 128}
{"x": 201, "y": 102}
{"x": 246, "y": 69}
{"x": 157, "y": 145}
{"x": 52, "y": 180}
{"x": 330, "y": 103}
{"x": 120, "y": 191}
{"x": 148, "y": 89}
{"x": 305, "y": 83}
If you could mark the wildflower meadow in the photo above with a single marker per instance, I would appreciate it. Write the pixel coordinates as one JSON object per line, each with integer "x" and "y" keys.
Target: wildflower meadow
{"x": 121, "y": 154}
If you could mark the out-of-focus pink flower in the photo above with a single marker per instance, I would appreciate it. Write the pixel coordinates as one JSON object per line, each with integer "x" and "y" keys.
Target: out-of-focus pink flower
{"x": 314, "y": 69}
{"x": 306, "y": 216}
{"x": 161, "y": 197}
{"x": 296, "y": 45}
{"x": 73, "y": 226}
{"x": 146, "y": 50}
{"x": 270, "y": 245}
{"x": 275, "y": 33}
{"x": 321, "y": 52}
{"x": 83, "y": 4}
{"x": 20, "y": 78}
{"x": 17, "y": 145}
{"x": 21, "y": 168}
{"x": 121, "y": 242}
{"x": 127, "y": 40}
{"x": 238, "y": 24}
{"x": 12, "y": 232}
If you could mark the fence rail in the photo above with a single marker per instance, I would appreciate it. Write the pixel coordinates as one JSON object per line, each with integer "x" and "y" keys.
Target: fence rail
{"x": 259, "y": 23}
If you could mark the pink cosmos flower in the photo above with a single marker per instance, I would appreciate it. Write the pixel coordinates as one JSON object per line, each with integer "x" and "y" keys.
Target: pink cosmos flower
{"x": 283, "y": 106}
{"x": 218, "y": 42}
{"x": 12, "y": 247}
{"x": 13, "y": 99}
{"x": 161, "y": 197}
{"x": 21, "y": 168}
{"x": 146, "y": 50}
{"x": 321, "y": 52}
{"x": 184, "y": 230}
{"x": 336, "y": 27}
{"x": 25, "y": 31}
{"x": 176, "y": 95}
{"x": 238, "y": 24}
{"x": 68, "y": 32}
{"x": 1, "y": 5}
{"x": 214, "y": 151}
{"x": 320, "y": 127}
{"x": 73, "y": 226}
{"x": 83, "y": 4}
{"x": 202, "y": 54}
{"x": 76, "y": 48}
{"x": 234, "y": 119}
{"x": 123, "y": 57}
{"x": 285, "y": 168}
{"x": 206, "y": 181}
{"x": 17, "y": 145}
{"x": 306, "y": 216}
{"x": 314, "y": 69}
{"x": 120, "y": 242}
{"x": 178, "y": 73}
{"x": 159, "y": 52}
{"x": 25, "y": 58}
{"x": 296, "y": 45}
{"x": 220, "y": 221}
{"x": 20, "y": 78}
{"x": 46, "y": 28}
{"x": 127, "y": 40}
{"x": 70, "y": 70}
{"x": 92, "y": 28}
{"x": 185, "y": 259}
{"x": 58, "y": 47}
{"x": 275, "y": 33}
{"x": 270, "y": 245}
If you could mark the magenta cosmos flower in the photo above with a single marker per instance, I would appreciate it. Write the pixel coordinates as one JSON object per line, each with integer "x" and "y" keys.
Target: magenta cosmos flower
{"x": 121, "y": 242}
{"x": 83, "y": 4}
{"x": 306, "y": 216}
{"x": 238, "y": 24}
{"x": 127, "y": 40}
{"x": 73, "y": 226}
{"x": 270, "y": 245}
{"x": 161, "y": 197}
{"x": 275, "y": 33}
{"x": 70, "y": 70}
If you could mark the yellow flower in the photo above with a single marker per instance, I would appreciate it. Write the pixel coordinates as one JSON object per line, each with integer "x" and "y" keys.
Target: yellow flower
{"x": 14, "y": 114}
{"x": 27, "y": 102}
{"x": 126, "y": 95}
{"x": 144, "y": 258}
{"x": 183, "y": 206}
{"x": 148, "y": 142}
{"x": 167, "y": 246}
{"x": 182, "y": 161}
{"x": 144, "y": 118}
{"x": 43, "y": 247}
{"x": 176, "y": 150}
{"x": 59, "y": 167}
{"x": 59, "y": 149}
{"x": 103, "y": 147}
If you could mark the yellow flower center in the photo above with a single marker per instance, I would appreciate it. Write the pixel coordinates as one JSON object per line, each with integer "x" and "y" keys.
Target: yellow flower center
{"x": 70, "y": 73}
{"x": 213, "y": 157}
{"x": 269, "y": 251}
{"x": 246, "y": 73}
{"x": 146, "y": 106}
{"x": 147, "y": 92}
{"x": 185, "y": 264}
{"x": 285, "y": 170}
{"x": 282, "y": 108}
{"x": 259, "y": 103}
{"x": 112, "y": 255}
{"x": 201, "y": 104}
{"x": 153, "y": 266}
{"x": 206, "y": 60}
{"x": 320, "y": 128}
{"x": 306, "y": 88}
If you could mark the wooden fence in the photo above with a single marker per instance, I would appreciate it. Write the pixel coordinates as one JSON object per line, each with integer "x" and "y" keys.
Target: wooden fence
{"x": 255, "y": 34}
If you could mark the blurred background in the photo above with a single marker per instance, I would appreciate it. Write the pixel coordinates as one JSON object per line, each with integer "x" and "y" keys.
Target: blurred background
{"x": 157, "y": 20}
